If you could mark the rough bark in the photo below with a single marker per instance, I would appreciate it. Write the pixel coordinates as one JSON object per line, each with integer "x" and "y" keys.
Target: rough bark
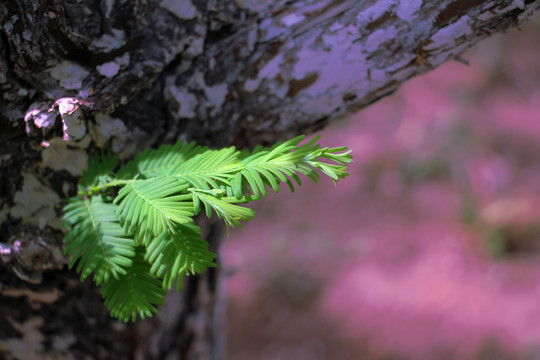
{"x": 146, "y": 72}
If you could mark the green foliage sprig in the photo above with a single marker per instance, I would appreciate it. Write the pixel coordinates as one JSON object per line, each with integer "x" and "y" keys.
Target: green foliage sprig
{"x": 133, "y": 228}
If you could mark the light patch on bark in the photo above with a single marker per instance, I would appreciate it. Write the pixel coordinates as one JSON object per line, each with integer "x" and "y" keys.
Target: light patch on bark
{"x": 373, "y": 12}
{"x": 135, "y": 139}
{"x": 27, "y": 35}
{"x": 46, "y": 297}
{"x": 109, "y": 69}
{"x": 183, "y": 9}
{"x": 271, "y": 28}
{"x": 270, "y": 71}
{"x": 107, "y": 128}
{"x": 10, "y": 23}
{"x": 187, "y": 102}
{"x": 108, "y": 5}
{"x": 252, "y": 84}
{"x": 291, "y": 19}
{"x": 315, "y": 6}
{"x": 109, "y": 42}
{"x": 69, "y": 75}
{"x": 30, "y": 346}
{"x": 272, "y": 68}
{"x": 338, "y": 70}
{"x": 448, "y": 35}
{"x": 406, "y": 10}
{"x": 214, "y": 94}
{"x": 87, "y": 11}
{"x": 378, "y": 38}
{"x": 58, "y": 156}
{"x": 36, "y": 203}
{"x": 125, "y": 142}
{"x": 333, "y": 11}
{"x": 195, "y": 48}
{"x": 63, "y": 342}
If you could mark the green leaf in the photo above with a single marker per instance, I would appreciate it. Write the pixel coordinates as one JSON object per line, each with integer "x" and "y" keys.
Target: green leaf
{"x": 150, "y": 207}
{"x": 96, "y": 239}
{"x": 136, "y": 293}
{"x": 174, "y": 255}
{"x": 160, "y": 192}
{"x": 267, "y": 167}
{"x": 283, "y": 163}
{"x": 158, "y": 162}
{"x": 210, "y": 169}
{"x": 225, "y": 207}
{"x": 338, "y": 155}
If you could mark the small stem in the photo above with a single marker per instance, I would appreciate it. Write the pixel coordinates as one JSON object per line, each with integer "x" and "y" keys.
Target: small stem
{"x": 95, "y": 189}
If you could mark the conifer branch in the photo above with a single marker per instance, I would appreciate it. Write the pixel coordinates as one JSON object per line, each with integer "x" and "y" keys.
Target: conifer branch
{"x": 142, "y": 241}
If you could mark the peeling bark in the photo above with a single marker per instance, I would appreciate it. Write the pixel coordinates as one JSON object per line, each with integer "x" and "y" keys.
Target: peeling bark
{"x": 140, "y": 73}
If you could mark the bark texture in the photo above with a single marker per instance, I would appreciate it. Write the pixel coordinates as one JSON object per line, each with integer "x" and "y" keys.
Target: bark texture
{"x": 134, "y": 74}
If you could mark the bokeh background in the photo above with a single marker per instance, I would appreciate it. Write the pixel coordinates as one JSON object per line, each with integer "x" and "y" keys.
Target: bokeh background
{"x": 430, "y": 249}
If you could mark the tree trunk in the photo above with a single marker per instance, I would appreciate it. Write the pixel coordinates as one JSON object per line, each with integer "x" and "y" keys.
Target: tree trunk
{"x": 129, "y": 75}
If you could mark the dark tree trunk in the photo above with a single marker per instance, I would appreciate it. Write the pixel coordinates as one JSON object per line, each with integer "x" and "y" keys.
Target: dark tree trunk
{"x": 134, "y": 74}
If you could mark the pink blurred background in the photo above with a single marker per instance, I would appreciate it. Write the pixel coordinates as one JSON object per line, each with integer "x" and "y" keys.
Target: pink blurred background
{"x": 430, "y": 249}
